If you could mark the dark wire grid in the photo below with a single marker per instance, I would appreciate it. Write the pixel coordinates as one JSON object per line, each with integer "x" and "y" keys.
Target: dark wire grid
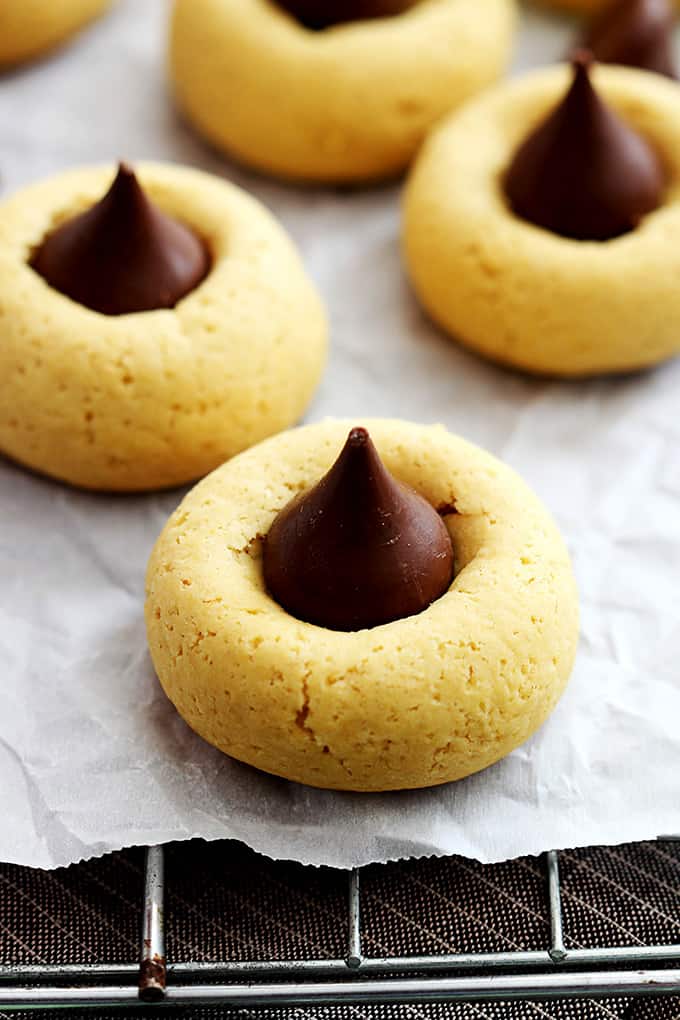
{"x": 355, "y": 979}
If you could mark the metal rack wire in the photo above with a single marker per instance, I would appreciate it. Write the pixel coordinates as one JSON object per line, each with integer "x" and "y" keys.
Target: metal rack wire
{"x": 357, "y": 979}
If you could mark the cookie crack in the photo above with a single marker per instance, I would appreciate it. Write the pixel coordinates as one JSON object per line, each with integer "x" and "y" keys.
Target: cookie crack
{"x": 303, "y": 712}
{"x": 301, "y": 722}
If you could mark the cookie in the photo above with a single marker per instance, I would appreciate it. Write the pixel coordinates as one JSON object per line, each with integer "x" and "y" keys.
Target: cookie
{"x": 349, "y": 103}
{"x": 412, "y": 703}
{"x": 29, "y": 27}
{"x": 156, "y": 398}
{"x": 523, "y": 295}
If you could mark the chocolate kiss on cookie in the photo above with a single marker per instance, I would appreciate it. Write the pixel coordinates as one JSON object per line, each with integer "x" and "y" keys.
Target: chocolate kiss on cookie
{"x": 638, "y": 33}
{"x": 359, "y": 549}
{"x": 317, "y": 14}
{"x": 584, "y": 173}
{"x": 123, "y": 254}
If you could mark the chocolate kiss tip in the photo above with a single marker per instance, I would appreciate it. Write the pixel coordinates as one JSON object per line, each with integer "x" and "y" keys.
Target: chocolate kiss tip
{"x": 358, "y": 436}
{"x": 126, "y": 174}
{"x": 582, "y": 59}
{"x": 123, "y": 255}
{"x": 125, "y": 186}
{"x": 359, "y": 549}
{"x": 637, "y": 33}
{"x": 584, "y": 173}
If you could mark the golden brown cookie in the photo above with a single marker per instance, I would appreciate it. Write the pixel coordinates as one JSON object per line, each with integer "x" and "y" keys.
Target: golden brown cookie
{"x": 412, "y": 703}
{"x": 523, "y": 295}
{"x": 155, "y": 398}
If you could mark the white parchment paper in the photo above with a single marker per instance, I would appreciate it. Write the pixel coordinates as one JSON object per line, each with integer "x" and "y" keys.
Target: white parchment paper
{"x": 93, "y": 757}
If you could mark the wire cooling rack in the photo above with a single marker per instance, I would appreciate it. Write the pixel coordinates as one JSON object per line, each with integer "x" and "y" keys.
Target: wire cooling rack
{"x": 357, "y": 979}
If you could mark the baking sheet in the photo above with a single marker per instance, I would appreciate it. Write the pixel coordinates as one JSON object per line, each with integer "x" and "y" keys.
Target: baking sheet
{"x": 93, "y": 757}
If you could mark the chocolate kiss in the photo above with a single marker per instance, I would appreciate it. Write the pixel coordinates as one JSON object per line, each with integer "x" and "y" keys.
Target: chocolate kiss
{"x": 359, "y": 549}
{"x": 638, "y": 33}
{"x": 123, "y": 254}
{"x": 317, "y": 14}
{"x": 584, "y": 173}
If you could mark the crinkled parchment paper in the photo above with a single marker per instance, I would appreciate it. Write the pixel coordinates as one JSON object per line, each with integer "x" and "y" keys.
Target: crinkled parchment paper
{"x": 93, "y": 757}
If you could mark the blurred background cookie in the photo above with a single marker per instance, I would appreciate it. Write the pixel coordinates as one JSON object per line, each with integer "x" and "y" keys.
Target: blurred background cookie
{"x": 30, "y": 27}
{"x": 340, "y": 101}
{"x": 637, "y": 33}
